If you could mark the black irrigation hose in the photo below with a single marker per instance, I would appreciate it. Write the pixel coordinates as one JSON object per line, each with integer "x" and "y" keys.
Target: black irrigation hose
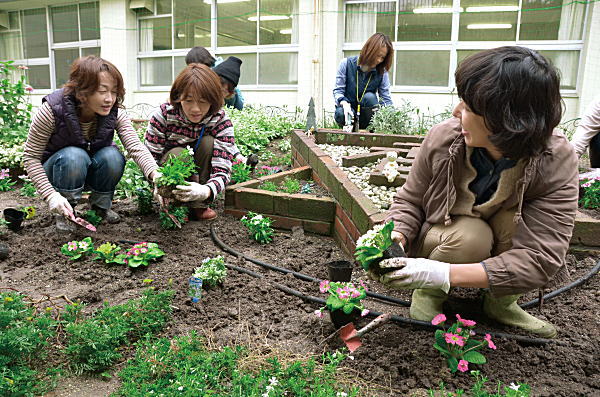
{"x": 395, "y": 318}
{"x": 300, "y": 276}
{"x": 567, "y": 287}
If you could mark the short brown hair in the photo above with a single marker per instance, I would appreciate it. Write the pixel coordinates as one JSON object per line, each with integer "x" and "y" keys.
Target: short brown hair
{"x": 370, "y": 49}
{"x": 84, "y": 80}
{"x": 200, "y": 55}
{"x": 517, "y": 92}
{"x": 199, "y": 82}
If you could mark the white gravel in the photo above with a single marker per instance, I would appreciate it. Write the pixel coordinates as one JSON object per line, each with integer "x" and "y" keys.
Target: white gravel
{"x": 380, "y": 195}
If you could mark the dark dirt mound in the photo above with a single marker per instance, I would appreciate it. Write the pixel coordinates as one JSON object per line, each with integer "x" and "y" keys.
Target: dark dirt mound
{"x": 248, "y": 309}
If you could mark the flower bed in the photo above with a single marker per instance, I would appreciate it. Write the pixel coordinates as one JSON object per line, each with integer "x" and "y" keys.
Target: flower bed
{"x": 314, "y": 214}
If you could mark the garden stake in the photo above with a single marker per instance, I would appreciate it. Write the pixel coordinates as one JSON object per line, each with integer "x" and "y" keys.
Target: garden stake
{"x": 351, "y": 337}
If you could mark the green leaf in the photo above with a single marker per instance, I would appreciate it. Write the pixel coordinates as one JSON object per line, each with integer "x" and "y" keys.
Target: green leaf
{"x": 441, "y": 349}
{"x": 452, "y": 363}
{"x": 348, "y": 307}
{"x": 439, "y": 338}
{"x": 474, "y": 357}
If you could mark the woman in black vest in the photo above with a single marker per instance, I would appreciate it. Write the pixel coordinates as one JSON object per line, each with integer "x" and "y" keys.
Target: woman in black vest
{"x": 70, "y": 146}
{"x": 360, "y": 79}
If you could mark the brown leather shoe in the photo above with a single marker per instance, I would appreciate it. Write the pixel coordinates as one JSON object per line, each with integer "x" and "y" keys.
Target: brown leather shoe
{"x": 202, "y": 214}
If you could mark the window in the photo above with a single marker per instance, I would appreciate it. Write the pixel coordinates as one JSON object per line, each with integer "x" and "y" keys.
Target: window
{"x": 48, "y": 40}
{"x": 262, "y": 33}
{"x": 432, "y": 37}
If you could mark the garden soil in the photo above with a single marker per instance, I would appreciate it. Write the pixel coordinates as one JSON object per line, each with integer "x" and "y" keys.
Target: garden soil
{"x": 246, "y": 310}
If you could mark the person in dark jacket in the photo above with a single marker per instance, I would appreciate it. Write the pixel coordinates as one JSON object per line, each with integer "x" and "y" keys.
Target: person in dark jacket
{"x": 70, "y": 146}
{"x": 360, "y": 79}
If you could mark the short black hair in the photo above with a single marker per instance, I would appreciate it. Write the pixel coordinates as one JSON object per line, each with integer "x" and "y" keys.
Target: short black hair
{"x": 517, "y": 92}
{"x": 200, "y": 55}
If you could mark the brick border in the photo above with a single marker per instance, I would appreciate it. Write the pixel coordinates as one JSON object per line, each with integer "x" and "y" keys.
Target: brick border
{"x": 314, "y": 214}
{"x": 355, "y": 213}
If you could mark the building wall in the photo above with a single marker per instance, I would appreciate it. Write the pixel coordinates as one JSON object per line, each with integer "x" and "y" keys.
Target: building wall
{"x": 319, "y": 52}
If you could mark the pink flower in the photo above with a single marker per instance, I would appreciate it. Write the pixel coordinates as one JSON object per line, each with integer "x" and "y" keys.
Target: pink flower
{"x": 319, "y": 313}
{"x": 72, "y": 246}
{"x": 355, "y": 293}
{"x": 465, "y": 322}
{"x": 143, "y": 250}
{"x": 463, "y": 366}
{"x": 342, "y": 293}
{"x": 22, "y": 67}
{"x": 364, "y": 312}
{"x": 136, "y": 252}
{"x": 454, "y": 339}
{"x": 4, "y": 173}
{"x": 459, "y": 330}
{"x": 488, "y": 339}
{"x": 324, "y": 286}
{"x": 29, "y": 89}
{"x": 440, "y": 318}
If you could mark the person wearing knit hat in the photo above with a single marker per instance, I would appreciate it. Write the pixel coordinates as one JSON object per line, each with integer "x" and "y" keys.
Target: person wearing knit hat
{"x": 229, "y": 72}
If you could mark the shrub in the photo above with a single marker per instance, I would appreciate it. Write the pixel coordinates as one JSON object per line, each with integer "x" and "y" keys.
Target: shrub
{"x": 405, "y": 119}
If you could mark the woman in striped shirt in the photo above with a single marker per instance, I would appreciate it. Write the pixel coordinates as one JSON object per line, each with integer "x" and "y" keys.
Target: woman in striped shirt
{"x": 194, "y": 117}
{"x": 70, "y": 143}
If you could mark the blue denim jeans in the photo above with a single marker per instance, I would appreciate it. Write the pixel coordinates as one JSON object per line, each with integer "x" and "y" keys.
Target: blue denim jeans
{"x": 369, "y": 101}
{"x": 71, "y": 170}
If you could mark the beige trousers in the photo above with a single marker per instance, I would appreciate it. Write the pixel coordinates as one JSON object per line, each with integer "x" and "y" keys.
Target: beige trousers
{"x": 202, "y": 158}
{"x": 469, "y": 239}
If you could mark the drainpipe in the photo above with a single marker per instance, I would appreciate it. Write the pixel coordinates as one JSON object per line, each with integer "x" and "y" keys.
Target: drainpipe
{"x": 317, "y": 56}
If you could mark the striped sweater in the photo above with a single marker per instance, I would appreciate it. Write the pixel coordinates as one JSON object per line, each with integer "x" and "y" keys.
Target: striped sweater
{"x": 169, "y": 128}
{"x": 42, "y": 127}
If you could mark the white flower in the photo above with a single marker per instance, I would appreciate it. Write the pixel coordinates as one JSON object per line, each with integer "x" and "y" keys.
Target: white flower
{"x": 341, "y": 394}
{"x": 180, "y": 388}
{"x": 190, "y": 150}
{"x": 273, "y": 381}
{"x": 351, "y": 357}
{"x": 514, "y": 387}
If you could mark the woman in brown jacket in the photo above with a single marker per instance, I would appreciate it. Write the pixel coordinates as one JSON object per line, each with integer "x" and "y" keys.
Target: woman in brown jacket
{"x": 491, "y": 198}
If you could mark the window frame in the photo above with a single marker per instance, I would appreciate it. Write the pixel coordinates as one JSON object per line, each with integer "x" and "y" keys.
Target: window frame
{"x": 50, "y": 59}
{"x": 257, "y": 50}
{"x": 454, "y": 45}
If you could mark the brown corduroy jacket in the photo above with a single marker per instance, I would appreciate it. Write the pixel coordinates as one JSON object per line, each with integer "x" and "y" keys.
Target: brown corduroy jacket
{"x": 546, "y": 201}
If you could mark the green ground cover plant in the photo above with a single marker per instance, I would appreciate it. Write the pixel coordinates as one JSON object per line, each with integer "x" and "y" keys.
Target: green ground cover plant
{"x": 25, "y": 335}
{"x": 143, "y": 198}
{"x": 288, "y": 185}
{"x": 185, "y": 366}
{"x": 406, "y": 119}
{"x": 180, "y": 213}
{"x": 93, "y": 344}
{"x": 591, "y": 195}
{"x": 240, "y": 172}
{"x": 479, "y": 389}
{"x": 92, "y": 217}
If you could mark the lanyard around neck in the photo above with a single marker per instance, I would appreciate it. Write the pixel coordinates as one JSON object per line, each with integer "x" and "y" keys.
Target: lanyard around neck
{"x": 359, "y": 100}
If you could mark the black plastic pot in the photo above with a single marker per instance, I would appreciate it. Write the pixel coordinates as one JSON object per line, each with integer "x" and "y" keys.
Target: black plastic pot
{"x": 340, "y": 270}
{"x": 394, "y": 251}
{"x": 14, "y": 218}
{"x": 339, "y": 318}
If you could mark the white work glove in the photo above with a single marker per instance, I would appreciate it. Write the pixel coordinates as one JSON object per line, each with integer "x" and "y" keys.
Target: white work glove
{"x": 154, "y": 177}
{"x": 415, "y": 273}
{"x": 192, "y": 192}
{"x": 59, "y": 205}
{"x": 347, "y": 110}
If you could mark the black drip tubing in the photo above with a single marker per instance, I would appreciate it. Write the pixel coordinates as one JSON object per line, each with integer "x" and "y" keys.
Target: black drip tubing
{"x": 372, "y": 314}
{"x": 386, "y": 298}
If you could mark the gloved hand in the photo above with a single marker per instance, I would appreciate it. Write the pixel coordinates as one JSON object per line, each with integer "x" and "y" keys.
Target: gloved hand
{"x": 192, "y": 192}
{"x": 59, "y": 205}
{"x": 348, "y": 113}
{"x": 154, "y": 177}
{"x": 417, "y": 273}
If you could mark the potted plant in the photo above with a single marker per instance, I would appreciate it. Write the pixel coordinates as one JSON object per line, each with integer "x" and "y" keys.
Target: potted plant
{"x": 175, "y": 171}
{"x": 375, "y": 246}
{"x": 344, "y": 301}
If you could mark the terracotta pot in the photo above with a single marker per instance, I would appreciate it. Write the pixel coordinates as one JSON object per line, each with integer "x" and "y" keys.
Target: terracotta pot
{"x": 339, "y": 318}
{"x": 14, "y": 218}
{"x": 340, "y": 270}
{"x": 394, "y": 251}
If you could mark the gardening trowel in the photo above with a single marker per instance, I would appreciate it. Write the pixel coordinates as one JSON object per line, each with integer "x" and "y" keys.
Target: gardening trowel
{"x": 351, "y": 336}
{"x": 81, "y": 222}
